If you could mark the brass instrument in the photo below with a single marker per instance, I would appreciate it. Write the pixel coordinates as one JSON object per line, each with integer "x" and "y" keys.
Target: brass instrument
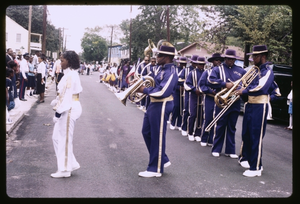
{"x": 165, "y": 43}
{"x": 226, "y": 97}
{"x": 148, "y": 50}
{"x": 148, "y": 81}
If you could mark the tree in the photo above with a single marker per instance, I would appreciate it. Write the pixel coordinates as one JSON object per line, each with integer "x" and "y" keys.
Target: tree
{"x": 93, "y": 45}
{"x": 152, "y": 24}
{"x": 19, "y": 13}
{"x": 251, "y": 25}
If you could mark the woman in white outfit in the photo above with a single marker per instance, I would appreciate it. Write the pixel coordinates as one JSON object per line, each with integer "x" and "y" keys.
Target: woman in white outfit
{"x": 68, "y": 110}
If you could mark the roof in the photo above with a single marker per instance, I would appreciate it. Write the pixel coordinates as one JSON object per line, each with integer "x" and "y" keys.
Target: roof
{"x": 238, "y": 50}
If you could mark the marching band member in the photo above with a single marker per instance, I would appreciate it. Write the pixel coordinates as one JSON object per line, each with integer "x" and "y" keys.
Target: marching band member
{"x": 222, "y": 77}
{"x": 176, "y": 118}
{"x": 208, "y": 100}
{"x": 152, "y": 68}
{"x": 155, "y": 119}
{"x": 123, "y": 73}
{"x": 67, "y": 110}
{"x": 195, "y": 100}
{"x": 182, "y": 77}
{"x": 256, "y": 111}
{"x": 143, "y": 72}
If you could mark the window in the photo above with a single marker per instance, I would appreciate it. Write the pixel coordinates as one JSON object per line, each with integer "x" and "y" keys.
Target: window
{"x": 18, "y": 37}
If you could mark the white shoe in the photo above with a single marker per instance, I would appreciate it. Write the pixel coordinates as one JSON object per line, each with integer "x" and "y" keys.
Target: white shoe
{"x": 61, "y": 174}
{"x": 75, "y": 168}
{"x": 203, "y": 144}
{"x": 141, "y": 107}
{"x": 184, "y": 133}
{"x": 149, "y": 174}
{"x": 168, "y": 122}
{"x": 215, "y": 154}
{"x": 244, "y": 164}
{"x": 172, "y": 127}
{"x": 167, "y": 164}
{"x": 198, "y": 139}
{"x": 252, "y": 173}
{"x": 209, "y": 144}
{"x": 232, "y": 156}
{"x": 191, "y": 138}
{"x": 179, "y": 128}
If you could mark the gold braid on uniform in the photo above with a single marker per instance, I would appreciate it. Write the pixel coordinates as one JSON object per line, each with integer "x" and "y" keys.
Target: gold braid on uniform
{"x": 62, "y": 94}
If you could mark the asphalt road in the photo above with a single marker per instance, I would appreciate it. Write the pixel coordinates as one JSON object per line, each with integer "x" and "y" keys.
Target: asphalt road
{"x": 110, "y": 148}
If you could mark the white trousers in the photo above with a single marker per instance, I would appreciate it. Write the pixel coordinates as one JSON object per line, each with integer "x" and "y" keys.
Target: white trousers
{"x": 63, "y": 138}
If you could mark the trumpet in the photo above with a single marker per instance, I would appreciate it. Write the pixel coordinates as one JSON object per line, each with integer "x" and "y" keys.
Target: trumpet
{"x": 148, "y": 81}
{"x": 225, "y": 98}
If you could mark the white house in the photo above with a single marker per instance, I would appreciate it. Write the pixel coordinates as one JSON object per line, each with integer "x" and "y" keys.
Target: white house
{"x": 17, "y": 38}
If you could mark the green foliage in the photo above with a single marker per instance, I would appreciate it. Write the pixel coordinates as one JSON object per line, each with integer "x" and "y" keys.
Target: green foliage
{"x": 252, "y": 25}
{"x": 20, "y": 14}
{"x": 93, "y": 45}
{"x": 152, "y": 24}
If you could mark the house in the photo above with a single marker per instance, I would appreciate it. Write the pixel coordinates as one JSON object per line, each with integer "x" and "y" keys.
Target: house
{"x": 17, "y": 38}
{"x": 117, "y": 53}
{"x": 202, "y": 49}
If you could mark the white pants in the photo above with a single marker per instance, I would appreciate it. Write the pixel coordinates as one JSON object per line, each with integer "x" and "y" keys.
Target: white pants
{"x": 63, "y": 138}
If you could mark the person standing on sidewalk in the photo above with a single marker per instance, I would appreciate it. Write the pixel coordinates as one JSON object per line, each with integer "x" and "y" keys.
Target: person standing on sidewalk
{"x": 67, "y": 110}
{"x": 24, "y": 69}
{"x": 40, "y": 85}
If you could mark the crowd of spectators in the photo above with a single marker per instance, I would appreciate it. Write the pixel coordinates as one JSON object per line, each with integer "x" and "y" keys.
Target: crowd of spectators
{"x": 26, "y": 77}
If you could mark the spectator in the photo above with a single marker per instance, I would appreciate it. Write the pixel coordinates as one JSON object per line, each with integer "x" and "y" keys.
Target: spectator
{"x": 290, "y": 111}
{"x": 35, "y": 59}
{"x": 9, "y": 97}
{"x": 9, "y": 55}
{"x": 23, "y": 76}
{"x": 40, "y": 78}
{"x": 31, "y": 77}
{"x": 13, "y": 65}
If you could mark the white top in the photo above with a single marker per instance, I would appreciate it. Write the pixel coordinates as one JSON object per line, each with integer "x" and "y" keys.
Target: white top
{"x": 290, "y": 96}
{"x": 68, "y": 85}
{"x": 35, "y": 60}
{"x": 56, "y": 66}
{"x": 114, "y": 70}
{"x": 41, "y": 69}
{"x": 24, "y": 67}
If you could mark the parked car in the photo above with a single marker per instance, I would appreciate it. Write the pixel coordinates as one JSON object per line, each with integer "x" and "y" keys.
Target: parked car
{"x": 283, "y": 77}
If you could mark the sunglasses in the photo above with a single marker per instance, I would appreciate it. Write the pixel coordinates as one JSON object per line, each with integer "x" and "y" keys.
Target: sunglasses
{"x": 153, "y": 61}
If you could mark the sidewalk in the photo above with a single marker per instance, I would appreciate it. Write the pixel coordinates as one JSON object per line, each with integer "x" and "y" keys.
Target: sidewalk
{"x": 17, "y": 114}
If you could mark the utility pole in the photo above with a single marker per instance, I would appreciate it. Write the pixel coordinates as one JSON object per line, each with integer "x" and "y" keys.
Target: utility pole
{"x": 130, "y": 34}
{"x": 29, "y": 27}
{"x": 168, "y": 25}
{"x": 112, "y": 30}
{"x": 44, "y": 29}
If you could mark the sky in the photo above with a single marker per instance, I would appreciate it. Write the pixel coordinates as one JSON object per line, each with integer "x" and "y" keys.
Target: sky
{"x": 74, "y": 20}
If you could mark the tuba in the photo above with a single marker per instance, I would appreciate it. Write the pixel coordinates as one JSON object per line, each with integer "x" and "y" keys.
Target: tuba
{"x": 148, "y": 50}
{"x": 226, "y": 97}
{"x": 132, "y": 93}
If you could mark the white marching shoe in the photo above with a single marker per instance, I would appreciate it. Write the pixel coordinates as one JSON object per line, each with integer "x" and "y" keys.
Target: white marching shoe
{"x": 61, "y": 174}
{"x": 167, "y": 164}
{"x": 149, "y": 174}
{"x": 184, "y": 133}
{"x": 198, "y": 139}
{"x": 203, "y": 144}
{"x": 252, "y": 173}
{"x": 215, "y": 154}
{"x": 191, "y": 138}
{"x": 244, "y": 164}
{"x": 172, "y": 127}
{"x": 232, "y": 156}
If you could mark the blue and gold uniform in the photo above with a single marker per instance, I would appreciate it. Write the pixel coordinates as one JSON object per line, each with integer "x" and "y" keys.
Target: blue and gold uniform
{"x": 195, "y": 101}
{"x": 217, "y": 79}
{"x": 209, "y": 107}
{"x": 255, "y": 116}
{"x": 176, "y": 119}
{"x": 182, "y": 77}
{"x": 157, "y": 114}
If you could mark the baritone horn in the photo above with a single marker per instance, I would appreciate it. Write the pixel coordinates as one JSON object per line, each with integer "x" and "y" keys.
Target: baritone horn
{"x": 132, "y": 93}
{"x": 225, "y": 98}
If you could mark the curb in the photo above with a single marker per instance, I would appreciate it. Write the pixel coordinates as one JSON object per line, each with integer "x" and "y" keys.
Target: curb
{"x": 19, "y": 119}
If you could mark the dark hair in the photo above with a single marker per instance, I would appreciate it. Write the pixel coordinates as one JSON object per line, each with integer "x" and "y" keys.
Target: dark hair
{"x": 72, "y": 58}
{"x": 11, "y": 64}
{"x": 9, "y": 71}
{"x": 43, "y": 57}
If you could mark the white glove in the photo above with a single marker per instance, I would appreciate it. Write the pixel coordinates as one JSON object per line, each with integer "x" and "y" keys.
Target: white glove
{"x": 55, "y": 119}
{"x": 54, "y": 102}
